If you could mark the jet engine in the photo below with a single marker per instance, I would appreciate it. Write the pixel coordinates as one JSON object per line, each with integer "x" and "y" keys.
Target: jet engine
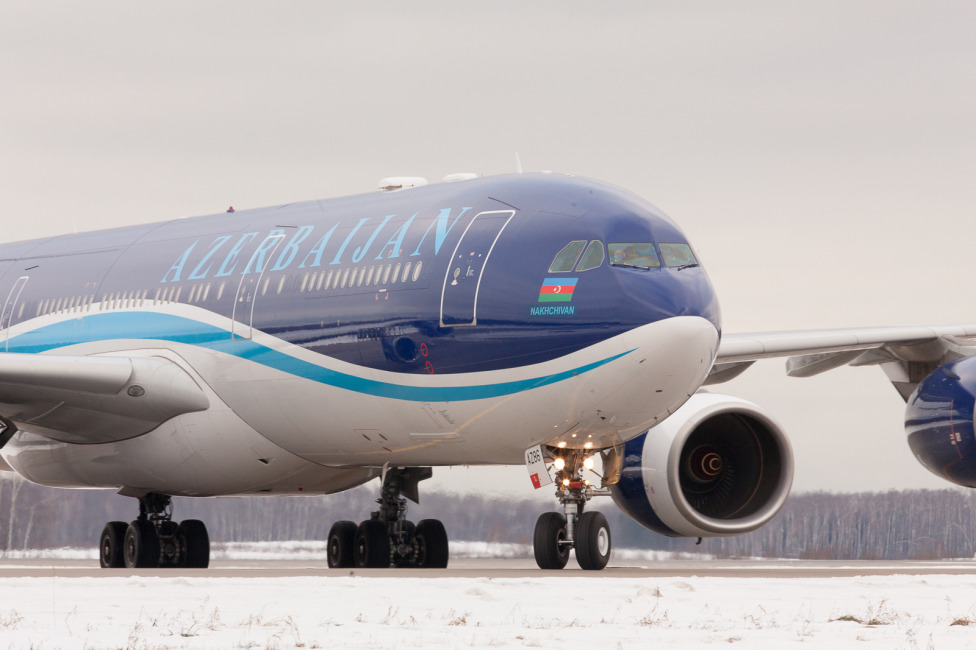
{"x": 939, "y": 422}
{"x": 718, "y": 466}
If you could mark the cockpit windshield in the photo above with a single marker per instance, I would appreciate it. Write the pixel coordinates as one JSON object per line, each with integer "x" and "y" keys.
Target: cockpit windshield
{"x": 637, "y": 255}
{"x": 678, "y": 255}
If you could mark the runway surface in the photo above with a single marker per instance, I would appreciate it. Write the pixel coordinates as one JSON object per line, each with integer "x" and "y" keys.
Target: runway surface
{"x": 490, "y": 603}
{"x": 503, "y": 568}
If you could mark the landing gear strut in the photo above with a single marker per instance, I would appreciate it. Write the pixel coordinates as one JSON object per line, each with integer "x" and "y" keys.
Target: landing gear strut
{"x": 587, "y": 532}
{"x": 154, "y": 539}
{"x": 387, "y": 539}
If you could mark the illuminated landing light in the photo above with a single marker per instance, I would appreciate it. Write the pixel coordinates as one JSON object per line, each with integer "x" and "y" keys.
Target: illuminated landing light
{"x": 559, "y": 463}
{"x": 588, "y": 463}
{"x": 562, "y": 444}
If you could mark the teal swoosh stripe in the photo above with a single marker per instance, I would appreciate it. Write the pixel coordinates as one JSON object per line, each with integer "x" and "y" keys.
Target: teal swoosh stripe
{"x": 176, "y": 329}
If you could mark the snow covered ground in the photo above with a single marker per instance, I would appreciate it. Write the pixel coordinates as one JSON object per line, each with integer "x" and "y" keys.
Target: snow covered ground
{"x": 544, "y": 611}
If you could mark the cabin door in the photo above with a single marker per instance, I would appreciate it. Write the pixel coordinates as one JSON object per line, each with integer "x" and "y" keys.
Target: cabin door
{"x": 252, "y": 285}
{"x": 10, "y": 306}
{"x": 459, "y": 297}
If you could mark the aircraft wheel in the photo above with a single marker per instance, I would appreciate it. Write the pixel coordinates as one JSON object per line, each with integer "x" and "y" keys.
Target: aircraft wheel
{"x": 431, "y": 544}
{"x": 342, "y": 540}
{"x": 372, "y": 549}
{"x": 195, "y": 540}
{"x": 550, "y": 529}
{"x": 141, "y": 546}
{"x": 406, "y": 555}
{"x": 111, "y": 554}
{"x": 169, "y": 545}
{"x": 592, "y": 541}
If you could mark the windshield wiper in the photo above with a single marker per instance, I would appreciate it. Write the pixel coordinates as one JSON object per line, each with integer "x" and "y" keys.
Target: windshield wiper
{"x": 630, "y": 266}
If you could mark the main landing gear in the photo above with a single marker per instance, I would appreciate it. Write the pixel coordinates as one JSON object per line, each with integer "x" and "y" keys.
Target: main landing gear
{"x": 586, "y": 532}
{"x": 387, "y": 539}
{"x": 154, "y": 539}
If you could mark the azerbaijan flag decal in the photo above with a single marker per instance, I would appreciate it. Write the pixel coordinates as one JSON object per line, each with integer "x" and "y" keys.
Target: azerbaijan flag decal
{"x": 557, "y": 289}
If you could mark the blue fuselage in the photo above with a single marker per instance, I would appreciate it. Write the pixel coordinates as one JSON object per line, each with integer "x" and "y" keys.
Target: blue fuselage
{"x": 441, "y": 279}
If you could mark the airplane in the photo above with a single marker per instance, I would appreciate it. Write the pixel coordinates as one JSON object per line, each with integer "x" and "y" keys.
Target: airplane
{"x": 309, "y": 348}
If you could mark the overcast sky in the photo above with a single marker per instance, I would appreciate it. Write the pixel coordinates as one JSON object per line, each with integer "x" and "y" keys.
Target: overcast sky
{"x": 821, "y": 156}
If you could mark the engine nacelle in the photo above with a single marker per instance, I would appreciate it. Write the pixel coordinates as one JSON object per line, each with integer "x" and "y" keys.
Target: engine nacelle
{"x": 939, "y": 422}
{"x": 718, "y": 466}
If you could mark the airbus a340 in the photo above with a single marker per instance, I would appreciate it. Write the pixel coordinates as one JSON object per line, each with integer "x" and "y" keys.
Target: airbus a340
{"x": 309, "y": 348}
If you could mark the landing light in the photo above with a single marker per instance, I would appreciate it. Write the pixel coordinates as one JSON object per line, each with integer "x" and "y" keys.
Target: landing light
{"x": 588, "y": 463}
{"x": 565, "y": 482}
{"x": 559, "y": 463}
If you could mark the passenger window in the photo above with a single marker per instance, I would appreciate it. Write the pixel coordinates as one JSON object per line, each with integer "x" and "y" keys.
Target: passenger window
{"x": 678, "y": 255}
{"x": 565, "y": 259}
{"x": 634, "y": 255}
{"x": 416, "y": 270}
{"x": 593, "y": 257}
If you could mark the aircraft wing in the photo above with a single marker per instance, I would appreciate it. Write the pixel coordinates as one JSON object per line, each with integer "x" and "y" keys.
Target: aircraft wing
{"x": 906, "y": 354}
{"x": 92, "y": 399}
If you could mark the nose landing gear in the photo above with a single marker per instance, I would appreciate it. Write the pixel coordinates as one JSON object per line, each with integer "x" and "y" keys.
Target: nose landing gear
{"x": 586, "y": 532}
{"x": 387, "y": 538}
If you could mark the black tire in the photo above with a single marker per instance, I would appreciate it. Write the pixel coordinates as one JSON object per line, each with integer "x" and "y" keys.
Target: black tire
{"x": 431, "y": 544}
{"x": 195, "y": 541}
{"x": 111, "y": 554}
{"x": 550, "y": 529}
{"x": 372, "y": 545}
{"x": 592, "y": 541}
{"x": 342, "y": 541}
{"x": 141, "y": 547}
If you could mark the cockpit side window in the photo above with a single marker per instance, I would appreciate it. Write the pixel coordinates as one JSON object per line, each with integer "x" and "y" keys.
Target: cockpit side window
{"x": 637, "y": 255}
{"x": 678, "y": 255}
{"x": 593, "y": 257}
{"x": 565, "y": 259}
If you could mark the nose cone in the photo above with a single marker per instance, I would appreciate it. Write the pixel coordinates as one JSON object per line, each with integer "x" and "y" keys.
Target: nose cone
{"x": 653, "y": 265}
{"x": 648, "y": 296}
{"x": 662, "y": 365}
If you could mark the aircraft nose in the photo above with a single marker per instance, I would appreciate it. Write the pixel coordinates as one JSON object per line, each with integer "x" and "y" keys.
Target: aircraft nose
{"x": 660, "y": 294}
{"x": 663, "y": 364}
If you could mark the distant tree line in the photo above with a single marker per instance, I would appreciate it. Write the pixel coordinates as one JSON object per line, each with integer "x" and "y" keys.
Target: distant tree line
{"x": 915, "y": 524}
